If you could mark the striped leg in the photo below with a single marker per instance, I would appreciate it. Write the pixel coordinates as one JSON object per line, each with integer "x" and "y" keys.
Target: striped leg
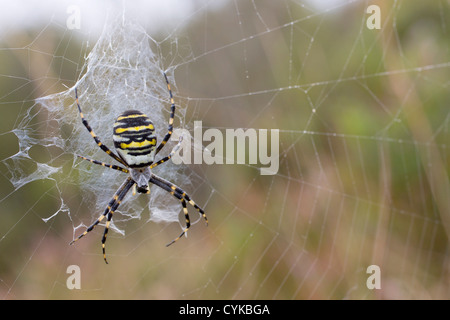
{"x": 192, "y": 203}
{"x": 174, "y": 150}
{"x": 111, "y": 166}
{"x": 112, "y": 206}
{"x": 127, "y": 188}
{"x": 188, "y": 222}
{"x": 172, "y": 116}
{"x": 180, "y": 195}
{"x": 96, "y": 139}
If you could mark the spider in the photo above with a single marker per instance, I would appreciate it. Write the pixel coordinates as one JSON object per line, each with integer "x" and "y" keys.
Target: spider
{"x": 135, "y": 143}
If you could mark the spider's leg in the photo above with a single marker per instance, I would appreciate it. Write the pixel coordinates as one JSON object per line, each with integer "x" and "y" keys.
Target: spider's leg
{"x": 172, "y": 116}
{"x": 180, "y": 195}
{"x": 188, "y": 222}
{"x": 174, "y": 190}
{"x": 175, "y": 149}
{"x": 112, "y": 205}
{"x": 111, "y": 166}
{"x": 108, "y": 208}
{"x": 192, "y": 203}
{"x": 96, "y": 139}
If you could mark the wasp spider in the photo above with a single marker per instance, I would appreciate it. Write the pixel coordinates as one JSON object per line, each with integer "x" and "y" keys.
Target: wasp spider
{"x": 135, "y": 142}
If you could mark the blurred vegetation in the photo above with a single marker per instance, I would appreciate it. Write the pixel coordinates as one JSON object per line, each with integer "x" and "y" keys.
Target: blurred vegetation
{"x": 364, "y": 161}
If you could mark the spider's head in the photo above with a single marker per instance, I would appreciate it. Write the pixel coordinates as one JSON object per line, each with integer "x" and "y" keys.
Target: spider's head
{"x": 141, "y": 177}
{"x": 143, "y": 189}
{"x": 134, "y": 138}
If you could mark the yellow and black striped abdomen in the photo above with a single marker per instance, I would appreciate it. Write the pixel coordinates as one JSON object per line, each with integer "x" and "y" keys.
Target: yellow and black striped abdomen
{"x": 134, "y": 138}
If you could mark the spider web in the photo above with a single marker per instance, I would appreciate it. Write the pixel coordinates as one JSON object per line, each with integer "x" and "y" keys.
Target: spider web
{"x": 363, "y": 124}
